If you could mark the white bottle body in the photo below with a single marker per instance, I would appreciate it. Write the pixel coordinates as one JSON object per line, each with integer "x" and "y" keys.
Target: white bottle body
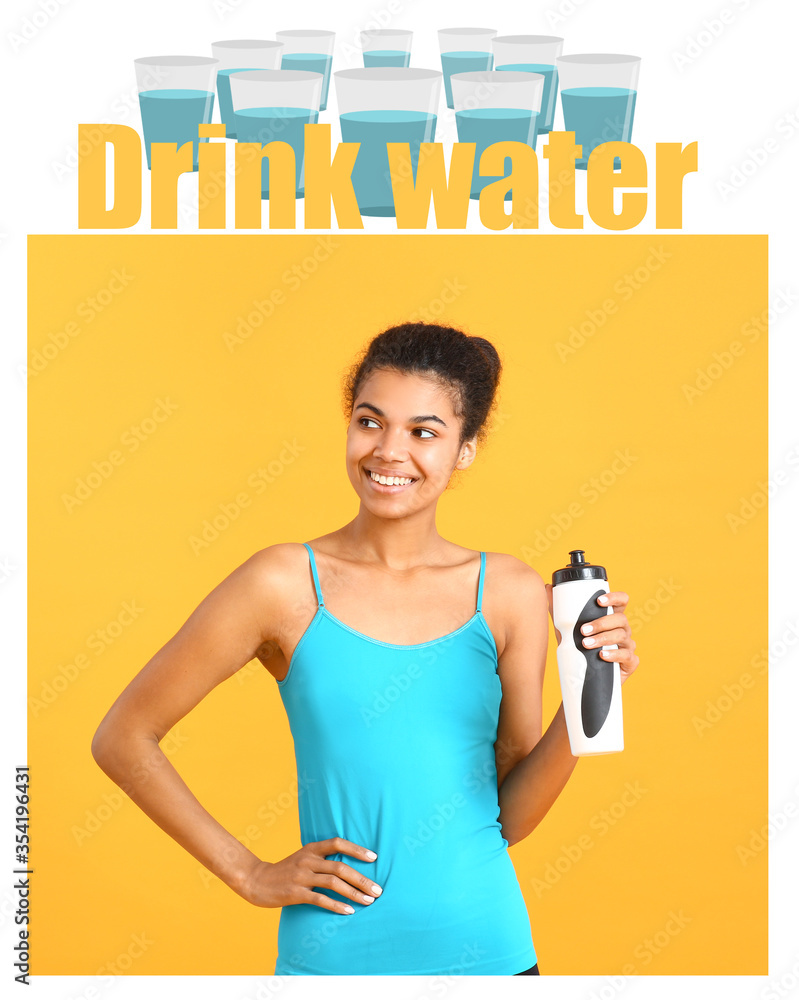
{"x": 569, "y": 599}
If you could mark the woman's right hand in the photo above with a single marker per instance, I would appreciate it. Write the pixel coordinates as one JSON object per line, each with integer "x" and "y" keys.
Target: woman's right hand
{"x": 292, "y": 880}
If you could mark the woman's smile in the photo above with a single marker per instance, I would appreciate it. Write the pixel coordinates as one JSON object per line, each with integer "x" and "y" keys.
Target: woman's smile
{"x": 396, "y": 484}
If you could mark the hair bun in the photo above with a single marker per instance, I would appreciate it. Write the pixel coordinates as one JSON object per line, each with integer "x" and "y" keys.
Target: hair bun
{"x": 489, "y": 352}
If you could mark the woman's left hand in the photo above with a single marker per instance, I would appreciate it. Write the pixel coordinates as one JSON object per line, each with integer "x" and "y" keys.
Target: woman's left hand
{"x": 610, "y": 629}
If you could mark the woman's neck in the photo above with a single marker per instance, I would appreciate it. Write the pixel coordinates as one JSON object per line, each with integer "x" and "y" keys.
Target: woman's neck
{"x": 395, "y": 543}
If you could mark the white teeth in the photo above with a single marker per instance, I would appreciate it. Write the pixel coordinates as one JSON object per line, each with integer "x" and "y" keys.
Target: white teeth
{"x": 390, "y": 480}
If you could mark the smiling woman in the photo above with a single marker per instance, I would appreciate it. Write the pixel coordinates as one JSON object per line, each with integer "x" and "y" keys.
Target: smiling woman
{"x": 411, "y": 671}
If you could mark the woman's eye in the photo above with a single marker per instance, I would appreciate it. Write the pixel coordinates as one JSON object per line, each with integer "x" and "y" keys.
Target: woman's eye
{"x": 360, "y": 421}
{"x": 425, "y": 431}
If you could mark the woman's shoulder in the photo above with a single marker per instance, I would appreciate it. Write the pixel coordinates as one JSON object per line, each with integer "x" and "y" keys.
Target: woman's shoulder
{"x": 276, "y": 571}
{"x": 510, "y": 578}
{"x": 273, "y": 561}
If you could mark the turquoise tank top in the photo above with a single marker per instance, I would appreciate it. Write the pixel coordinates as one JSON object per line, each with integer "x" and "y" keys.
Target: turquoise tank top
{"x": 394, "y": 751}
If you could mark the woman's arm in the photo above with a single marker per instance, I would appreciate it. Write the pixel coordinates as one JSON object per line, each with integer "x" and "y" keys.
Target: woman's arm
{"x": 538, "y": 767}
{"x": 531, "y": 769}
{"x": 220, "y": 637}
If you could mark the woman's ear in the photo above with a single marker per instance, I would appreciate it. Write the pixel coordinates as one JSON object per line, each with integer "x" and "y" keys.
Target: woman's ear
{"x": 466, "y": 455}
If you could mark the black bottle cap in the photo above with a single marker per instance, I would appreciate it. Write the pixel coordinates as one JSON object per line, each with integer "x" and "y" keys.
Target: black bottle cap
{"x": 578, "y": 569}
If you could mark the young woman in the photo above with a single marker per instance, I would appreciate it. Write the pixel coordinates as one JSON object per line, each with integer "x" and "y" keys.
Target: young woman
{"x": 411, "y": 670}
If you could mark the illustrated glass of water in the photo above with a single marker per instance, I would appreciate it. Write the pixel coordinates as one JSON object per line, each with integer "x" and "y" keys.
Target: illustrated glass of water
{"x": 176, "y": 94}
{"x": 386, "y": 47}
{"x": 275, "y": 105}
{"x": 496, "y": 106}
{"x": 239, "y": 55}
{"x": 382, "y": 105}
{"x": 311, "y": 51}
{"x": 532, "y": 54}
{"x": 598, "y": 92}
{"x": 464, "y": 50}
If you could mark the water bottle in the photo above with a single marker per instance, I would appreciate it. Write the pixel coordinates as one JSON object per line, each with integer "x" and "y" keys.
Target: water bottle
{"x": 591, "y": 686}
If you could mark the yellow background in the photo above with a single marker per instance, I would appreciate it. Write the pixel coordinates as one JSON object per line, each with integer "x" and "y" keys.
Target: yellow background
{"x": 106, "y": 876}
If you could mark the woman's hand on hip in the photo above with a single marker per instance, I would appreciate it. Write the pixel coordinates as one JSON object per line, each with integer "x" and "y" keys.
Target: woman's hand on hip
{"x": 293, "y": 880}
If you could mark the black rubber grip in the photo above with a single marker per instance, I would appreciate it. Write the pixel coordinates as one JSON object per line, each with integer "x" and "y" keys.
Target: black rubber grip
{"x": 598, "y": 684}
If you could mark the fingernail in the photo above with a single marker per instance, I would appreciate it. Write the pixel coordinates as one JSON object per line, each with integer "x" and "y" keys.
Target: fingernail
{"x": 376, "y": 890}
{"x": 589, "y": 642}
{"x": 371, "y": 855}
{"x": 587, "y": 628}
{"x": 349, "y": 909}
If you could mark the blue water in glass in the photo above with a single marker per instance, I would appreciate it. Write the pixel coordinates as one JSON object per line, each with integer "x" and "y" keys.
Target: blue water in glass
{"x": 549, "y": 94}
{"x": 173, "y": 116}
{"x": 371, "y": 178}
{"x": 597, "y": 115}
{"x": 485, "y": 126}
{"x": 311, "y": 62}
{"x": 266, "y": 125}
{"x": 462, "y": 62}
{"x": 386, "y": 57}
{"x": 225, "y": 101}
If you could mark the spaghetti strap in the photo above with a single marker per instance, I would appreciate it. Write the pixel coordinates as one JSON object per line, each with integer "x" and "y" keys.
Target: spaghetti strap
{"x": 480, "y": 584}
{"x": 319, "y": 598}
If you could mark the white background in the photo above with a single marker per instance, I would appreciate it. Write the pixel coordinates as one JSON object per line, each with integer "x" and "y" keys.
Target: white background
{"x": 717, "y": 71}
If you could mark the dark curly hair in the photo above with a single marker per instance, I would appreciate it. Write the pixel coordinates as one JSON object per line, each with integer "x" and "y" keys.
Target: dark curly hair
{"x": 467, "y": 368}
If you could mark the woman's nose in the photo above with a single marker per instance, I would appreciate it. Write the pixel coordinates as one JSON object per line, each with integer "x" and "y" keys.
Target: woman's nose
{"x": 389, "y": 447}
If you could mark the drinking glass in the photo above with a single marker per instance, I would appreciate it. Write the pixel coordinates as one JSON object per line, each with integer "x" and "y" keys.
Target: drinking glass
{"x": 176, "y": 94}
{"x": 598, "y": 92}
{"x": 386, "y": 47}
{"x": 464, "y": 50}
{"x": 494, "y": 107}
{"x": 311, "y": 51}
{"x": 382, "y": 105}
{"x": 532, "y": 54}
{"x": 233, "y": 57}
{"x": 276, "y": 105}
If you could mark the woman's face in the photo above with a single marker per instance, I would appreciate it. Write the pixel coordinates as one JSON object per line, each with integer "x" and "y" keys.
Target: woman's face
{"x": 403, "y": 426}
